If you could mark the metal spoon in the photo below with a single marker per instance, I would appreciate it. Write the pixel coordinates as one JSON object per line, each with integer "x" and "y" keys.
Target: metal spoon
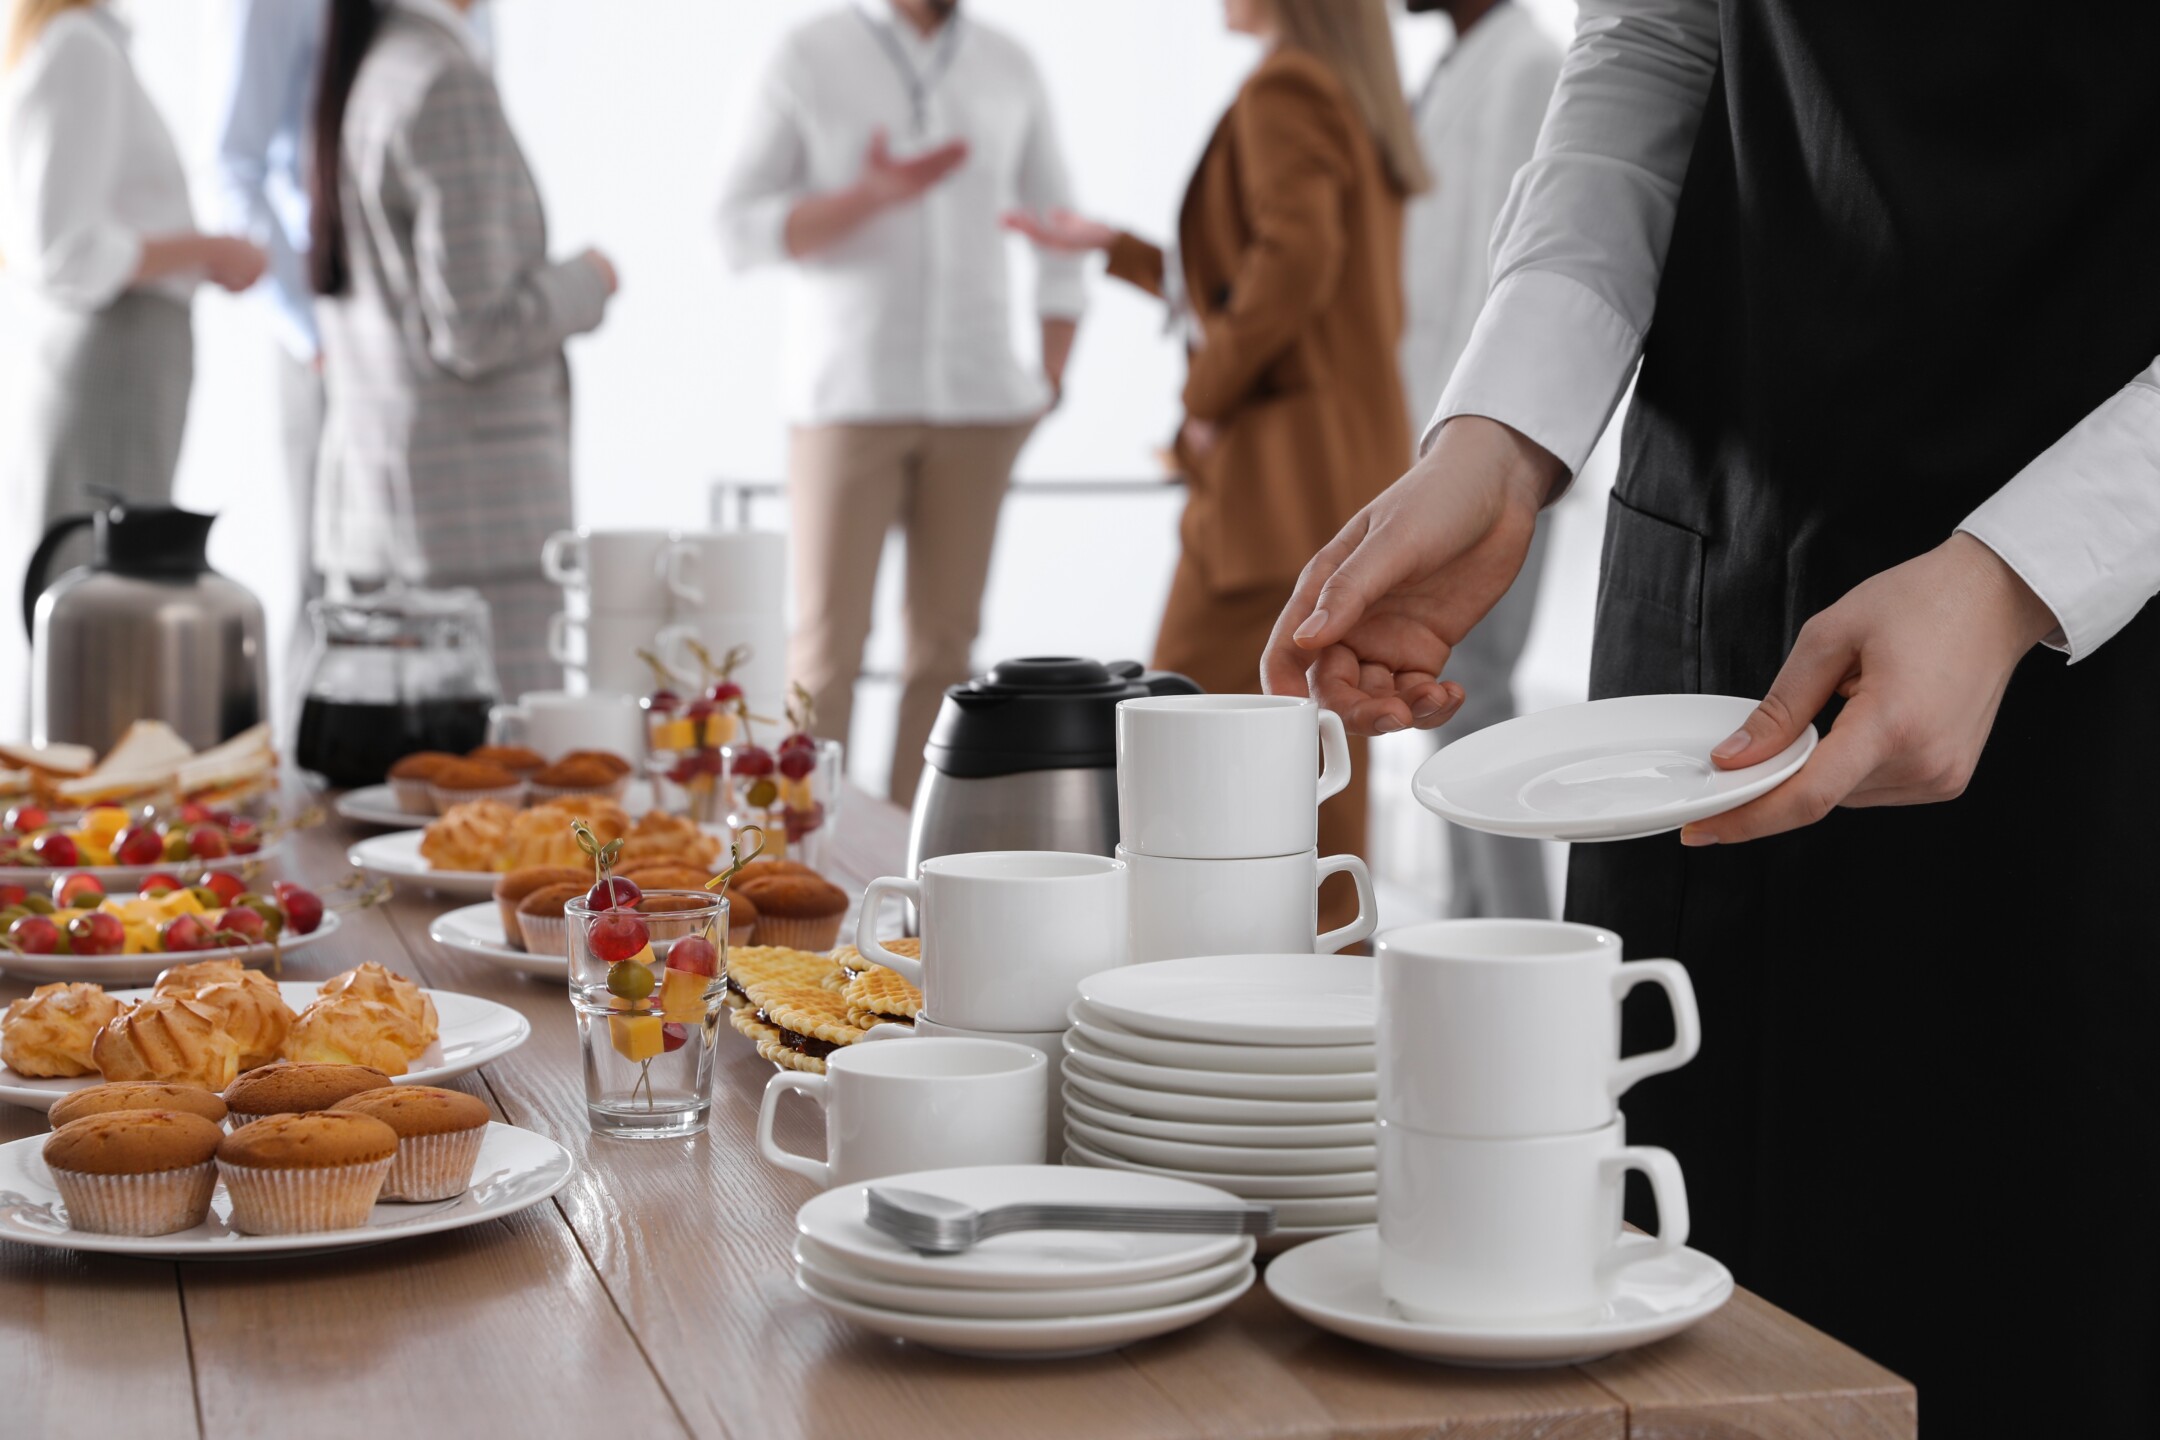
{"x": 934, "y": 1225}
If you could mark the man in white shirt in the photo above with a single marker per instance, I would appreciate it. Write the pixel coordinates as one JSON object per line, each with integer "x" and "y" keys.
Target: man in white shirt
{"x": 1896, "y": 433}
{"x": 887, "y": 139}
{"x": 1477, "y": 115}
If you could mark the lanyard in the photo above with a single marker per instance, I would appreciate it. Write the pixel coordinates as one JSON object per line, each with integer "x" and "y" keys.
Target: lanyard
{"x": 919, "y": 84}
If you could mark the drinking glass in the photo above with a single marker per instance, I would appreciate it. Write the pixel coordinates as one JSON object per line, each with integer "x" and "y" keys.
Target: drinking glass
{"x": 646, "y": 1026}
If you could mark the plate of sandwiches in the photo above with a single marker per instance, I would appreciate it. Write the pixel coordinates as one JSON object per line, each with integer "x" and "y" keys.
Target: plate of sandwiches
{"x": 206, "y": 1024}
{"x": 149, "y": 765}
{"x": 464, "y": 852}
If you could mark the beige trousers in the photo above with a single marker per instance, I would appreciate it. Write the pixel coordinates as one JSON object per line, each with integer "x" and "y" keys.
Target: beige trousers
{"x": 847, "y": 486}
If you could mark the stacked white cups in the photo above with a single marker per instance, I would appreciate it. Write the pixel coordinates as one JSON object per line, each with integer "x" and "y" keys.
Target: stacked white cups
{"x": 1218, "y": 814}
{"x": 1501, "y": 1149}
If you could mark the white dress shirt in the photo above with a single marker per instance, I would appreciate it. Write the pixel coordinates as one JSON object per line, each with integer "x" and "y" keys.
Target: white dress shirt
{"x": 88, "y": 170}
{"x": 910, "y": 317}
{"x": 1477, "y": 117}
{"x": 1576, "y": 259}
{"x": 260, "y": 132}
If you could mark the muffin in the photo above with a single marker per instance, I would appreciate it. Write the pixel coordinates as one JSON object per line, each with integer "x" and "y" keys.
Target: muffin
{"x": 801, "y": 912}
{"x": 459, "y": 782}
{"x": 50, "y": 1031}
{"x": 297, "y": 1174}
{"x": 661, "y": 875}
{"x": 136, "y": 1095}
{"x": 579, "y": 774}
{"x": 766, "y": 869}
{"x": 518, "y": 884}
{"x": 167, "y": 1038}
{"x": 297, "y": 1089}
{"x": 517, "y": 759}
{"x": 615, "y": 763}
{"x": 439, "y": 1134}
{"x": 134, "y": 1172}
{"x": 410, "y": 781}
{"x": 540, "y": 918}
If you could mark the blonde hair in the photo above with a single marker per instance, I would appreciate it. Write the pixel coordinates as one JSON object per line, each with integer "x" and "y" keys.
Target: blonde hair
{"x": 1355, "y": 40}
{"x": 26, "y": 21}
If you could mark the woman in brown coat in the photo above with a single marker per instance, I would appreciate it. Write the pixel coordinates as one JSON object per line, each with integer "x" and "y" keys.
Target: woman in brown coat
{"x": 1288, "y": 285}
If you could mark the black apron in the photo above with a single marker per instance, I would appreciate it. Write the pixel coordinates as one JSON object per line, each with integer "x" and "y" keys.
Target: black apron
{"x": 1915, "y": 246}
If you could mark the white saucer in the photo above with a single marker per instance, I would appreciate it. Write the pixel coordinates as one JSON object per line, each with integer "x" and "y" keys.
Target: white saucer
{"x": 516, "y": 1168}
{"x": 1242, "y": 1084}
{"x": 1242, "y": 999}
{"x": 396, "y": 857}
{"x": 832, "y": 1273}
{"x": 1222, "y": 1159}
{"x": 1109, "y": 1116}
{"x": 1606, "y": 770}
{"x": 377, "y": 805}
{"x": 1335, "y": 1283}
{"x": 1168, "y": 1105}
{"x": 471, "y": 1032}
{"x": 477, "y": 930}
{"x": 1061, "y": 1338}
{"x": 148, "y": 965}
{"x": 1341, "y": 1185}
{"x": 1107, "y": 1038}
{"x": 1027, "y": 1260}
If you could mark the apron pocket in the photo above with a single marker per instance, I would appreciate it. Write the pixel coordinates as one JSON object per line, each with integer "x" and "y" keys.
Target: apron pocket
{"x": 1649, "y": 611}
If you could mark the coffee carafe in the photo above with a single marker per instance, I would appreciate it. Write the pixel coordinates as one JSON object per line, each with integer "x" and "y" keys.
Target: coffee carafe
{"x": 393, "y": 672}
{"x": 146, "y": 631}
{"x": 1025, "y": 758}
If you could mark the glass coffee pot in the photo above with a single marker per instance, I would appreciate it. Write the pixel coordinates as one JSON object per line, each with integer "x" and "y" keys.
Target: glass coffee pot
{"x": 390, "y": 673}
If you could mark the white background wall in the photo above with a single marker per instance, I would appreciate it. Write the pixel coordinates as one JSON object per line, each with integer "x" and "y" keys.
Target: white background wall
{"x": 627, "y": 110}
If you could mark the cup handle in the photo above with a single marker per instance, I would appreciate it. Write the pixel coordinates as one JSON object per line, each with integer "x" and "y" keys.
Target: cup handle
{"x": 558, "y": 640}
{"x": 1672, "y": 977}
{"x": 1368, "y": 908}
{"x": 1334, "y": 755}
{"x": 811, "y": 1088}
{"x": 1663, "y": 1172}
{"x": 866, "y": 925}
{"x": 678, "y": 573}
{"x": 671, "y": 645}
{"x": 887, "y": 1030}
{"x": 506, "y": 725}
{"x": 553, "y": 562}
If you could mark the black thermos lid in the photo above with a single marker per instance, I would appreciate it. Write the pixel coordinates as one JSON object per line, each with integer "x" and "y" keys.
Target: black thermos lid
{"x": 1040, "y": 713}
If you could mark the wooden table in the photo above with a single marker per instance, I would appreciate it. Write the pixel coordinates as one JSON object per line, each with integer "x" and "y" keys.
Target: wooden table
{"x": 654, "y": 1297}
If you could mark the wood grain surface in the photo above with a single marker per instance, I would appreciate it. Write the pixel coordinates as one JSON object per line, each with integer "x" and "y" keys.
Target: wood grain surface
{"x": 655, "y": 1297}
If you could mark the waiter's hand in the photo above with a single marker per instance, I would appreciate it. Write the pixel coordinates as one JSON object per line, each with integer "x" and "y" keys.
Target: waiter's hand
{"x": 1922, "y": 654}
{"x": 1377, "y": 611}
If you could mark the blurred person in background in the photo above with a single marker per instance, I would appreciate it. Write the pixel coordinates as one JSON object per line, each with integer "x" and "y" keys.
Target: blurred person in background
{"x": 1287, "y": 280}
{"x": 887, "y": 138}
{"x": 1478, "y": 115}
{"x": 446, "y": 456}
{"x": 101, "y": 248}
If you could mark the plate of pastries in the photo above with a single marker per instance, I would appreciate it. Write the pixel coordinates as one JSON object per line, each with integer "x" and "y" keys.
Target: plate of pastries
{"x": 291, "y": 1157}
{"x": 477, "y": 842}
{"x": 208, "y": 1023}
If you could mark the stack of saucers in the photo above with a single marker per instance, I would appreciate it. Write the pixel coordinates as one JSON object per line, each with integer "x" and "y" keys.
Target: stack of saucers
{"x": 1036, "y": 1294}
{"x": 1252, "y": 1073}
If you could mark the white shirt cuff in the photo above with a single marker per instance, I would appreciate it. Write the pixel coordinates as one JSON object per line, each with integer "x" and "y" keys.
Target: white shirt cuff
{"x": 754, "y": 232}
{"x": 93, "y": 268}
{"x": 1549, "y": 358}
{"x": 2081, "y": 523}
{"x": 1060, "y": 287}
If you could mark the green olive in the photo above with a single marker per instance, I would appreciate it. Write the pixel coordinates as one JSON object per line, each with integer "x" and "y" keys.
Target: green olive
{"x": 630, "y": 979}
{"x": 39, "y": 904}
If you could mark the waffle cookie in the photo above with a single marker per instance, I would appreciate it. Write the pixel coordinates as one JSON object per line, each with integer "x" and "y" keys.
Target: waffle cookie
{"x": 769, "y": 1044}
{"x": 752, "y": 964}
{"x": 810, "y": 1018}
{"x": 851, "y": 960}
{"x": 882, "y": 994}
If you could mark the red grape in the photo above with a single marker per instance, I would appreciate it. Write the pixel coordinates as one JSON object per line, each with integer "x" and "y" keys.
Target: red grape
{"x": 797, "y": 763}
{"x": 695, "y": 954}
{"x": 12, "y": 895}
{"x": 673, "y": 1036}
{"x": 56, "y": 849}
{"x": 227, "y": 886}
{"x": 78, "y": 892}
{"x": 618, "y": 935}
{"x": 801, "y": 823}
{"x": 23, "y": 819}
{"x": 303, "y": 907}
{"x": 160, "y": 883}
{"x": 96, "y": 933}
{"x": 723, "y": 693}
{"x": 751, "y": 760}
{"x": 667, "y": 702}
{"x": 183, "y": 933}
{"x": 240, "y": 920}
{"x": 614, "y": 893}
{"x": 138, "y": 845}
{"x": 194, "y": 814}
{"x": 35, "y": 935}
{"x": 209, "y": 843}
{"x": 800, "y": 740}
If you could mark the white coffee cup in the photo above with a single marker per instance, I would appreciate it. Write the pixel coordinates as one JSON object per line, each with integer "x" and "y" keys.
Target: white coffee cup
{"x": 619, "y": 569}
{"x": 927, "y": 1105}
{"x": 555, "y": 722}
{"x": 1490, "y": 1231}
{"x": 1264, "y": 906}
{"x": 1050, "y": 1042}
{"x": 601, "y": 649}
{"x": 719, "y": 572}
{"x": 1512, "y": 1027}
{"x": 1226, "y": 777}
{"x": 1007, "y": 934}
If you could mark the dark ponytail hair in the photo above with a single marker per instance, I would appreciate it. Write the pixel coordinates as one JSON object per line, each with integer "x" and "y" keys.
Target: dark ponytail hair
{"x": 348, "y": 32}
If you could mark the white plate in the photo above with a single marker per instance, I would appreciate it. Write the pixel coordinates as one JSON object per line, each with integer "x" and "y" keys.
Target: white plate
{"x": 472, "y": 1032}
{"x": 1344, "y": 1185}
{"x": 113, "y": 877}
{"x": 1331, "y": 1212}
{"x": 1227, "y": 1160}
{"x": 396, "y": 857}
{"x": 1113, "y": 1117}
{"x": 1606, "y": 770}
{"x": 831, "y": 1272}
{"x": 1028, "y": 1260}
{"x": 1109, "y": 1038}
{"x": 516, "y": 1168}
{"x": 477, "y": 930}
{"x": 1242, "y": 999}
{"x": 1168, "y": 1105}
{"x": 377, "y": 805}
{"x": 1242, "y": 1084}
{"x": 1063, "y": 1338}
{"x": 136, "y": 969}
{"x": 1335, "y": 1283}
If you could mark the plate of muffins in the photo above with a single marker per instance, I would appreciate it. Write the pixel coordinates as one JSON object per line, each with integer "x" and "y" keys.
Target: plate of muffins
{"x": 289, "y": 1159}
{"x": 471, "y": 846}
